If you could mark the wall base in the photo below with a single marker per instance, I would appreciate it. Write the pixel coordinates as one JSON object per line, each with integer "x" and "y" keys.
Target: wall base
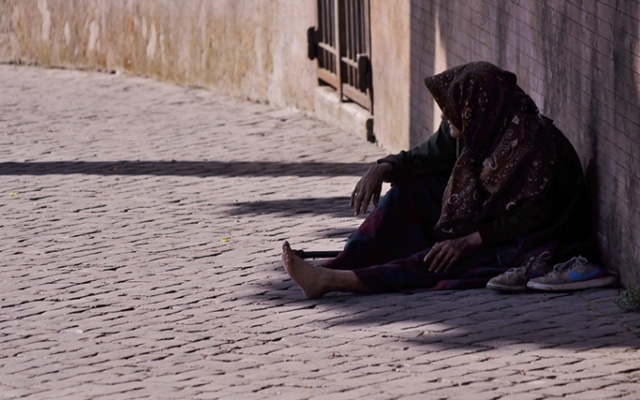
{"x": 349, "y": 117}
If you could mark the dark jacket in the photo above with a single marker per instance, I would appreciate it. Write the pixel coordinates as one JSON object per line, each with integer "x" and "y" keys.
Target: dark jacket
{"x": 560, "y": 215}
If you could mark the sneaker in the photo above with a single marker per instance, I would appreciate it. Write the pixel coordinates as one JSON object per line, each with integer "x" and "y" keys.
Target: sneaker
{"x": 515, "y": 279}
{"x": 577, "y": 273}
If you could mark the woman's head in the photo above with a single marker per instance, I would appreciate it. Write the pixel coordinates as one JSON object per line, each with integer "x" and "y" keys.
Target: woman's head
{"x": 453, "y": 130}
{"x": 474, "y": 97}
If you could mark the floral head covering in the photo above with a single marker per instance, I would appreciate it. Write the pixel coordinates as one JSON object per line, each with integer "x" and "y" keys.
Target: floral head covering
{"x": 509, "y": 155}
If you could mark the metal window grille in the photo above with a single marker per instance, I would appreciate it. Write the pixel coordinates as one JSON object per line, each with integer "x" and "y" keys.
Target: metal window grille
{"x": 341, "y": 43}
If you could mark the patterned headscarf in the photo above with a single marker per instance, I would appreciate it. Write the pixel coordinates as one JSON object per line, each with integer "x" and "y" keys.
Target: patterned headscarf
{"x": 509, "y": 155}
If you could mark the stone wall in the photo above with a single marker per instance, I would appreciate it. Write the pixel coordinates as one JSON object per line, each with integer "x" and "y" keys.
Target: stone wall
{"x": 580, "y": 61}
{"x": 250, "y": 48}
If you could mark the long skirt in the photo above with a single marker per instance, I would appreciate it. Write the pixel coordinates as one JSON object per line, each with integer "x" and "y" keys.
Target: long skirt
{"x": 386, "y": 252}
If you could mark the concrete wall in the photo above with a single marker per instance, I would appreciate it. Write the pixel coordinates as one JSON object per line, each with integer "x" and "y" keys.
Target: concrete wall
{"x": 391, "y": 62}
{"x": 250, "y": 48}
{"x": 580, "y": 61}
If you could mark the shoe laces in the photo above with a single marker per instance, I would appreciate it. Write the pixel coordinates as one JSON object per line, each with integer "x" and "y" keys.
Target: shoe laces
{"x": 570, "y": 264}
{"x": 526, "y": 266}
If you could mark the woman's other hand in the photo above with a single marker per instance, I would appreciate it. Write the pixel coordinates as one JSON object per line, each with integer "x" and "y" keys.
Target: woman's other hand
{"x": 444, "y": 255}
{"x": 369, "y": 187}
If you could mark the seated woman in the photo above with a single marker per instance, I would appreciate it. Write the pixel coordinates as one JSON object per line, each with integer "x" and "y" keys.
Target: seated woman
{"x": 497, "y": 186}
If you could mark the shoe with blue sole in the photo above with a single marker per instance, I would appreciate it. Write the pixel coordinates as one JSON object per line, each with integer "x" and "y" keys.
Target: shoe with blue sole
{"x": 576, "y": 274}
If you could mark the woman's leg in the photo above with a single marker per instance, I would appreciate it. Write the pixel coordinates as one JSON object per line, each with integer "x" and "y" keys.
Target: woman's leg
{"x": 318, "y": 281}
{"x": 399, "y": 275}
{"x": 401, "y": 225}
{"x": 406, "y": 274}
{"x": 412, "y": 273}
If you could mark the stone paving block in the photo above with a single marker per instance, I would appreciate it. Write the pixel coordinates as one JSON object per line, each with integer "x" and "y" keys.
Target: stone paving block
{"x": 522, "y": 396}
{"x": 359, "y": 393}
{"x": 563, "y": 391}
{"x": 10, "y": 393}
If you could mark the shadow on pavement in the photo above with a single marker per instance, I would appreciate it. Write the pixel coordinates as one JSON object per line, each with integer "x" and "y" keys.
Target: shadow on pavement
{"x": 333, "y": 206}
{"x": 183, "y": 168}
{"x": 475, "y": 319}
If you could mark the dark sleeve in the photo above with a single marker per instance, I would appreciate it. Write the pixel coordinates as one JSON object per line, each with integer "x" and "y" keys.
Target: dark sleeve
{"x": 437, "y": 155}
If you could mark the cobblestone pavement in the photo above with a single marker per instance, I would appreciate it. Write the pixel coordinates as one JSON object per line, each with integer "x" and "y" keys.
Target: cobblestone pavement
{"x": 141, "y": 227}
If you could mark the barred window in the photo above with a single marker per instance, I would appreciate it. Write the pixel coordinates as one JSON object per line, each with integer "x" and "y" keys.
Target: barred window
{"x": 341, "y": 43}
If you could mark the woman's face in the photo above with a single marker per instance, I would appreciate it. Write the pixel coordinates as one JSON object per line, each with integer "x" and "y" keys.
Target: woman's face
{"x": 455, "y": 132}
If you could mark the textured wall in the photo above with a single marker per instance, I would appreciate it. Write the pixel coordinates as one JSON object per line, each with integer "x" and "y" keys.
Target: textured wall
{"x": 250, "y": 48}
{"x": 580, "y": 61}
{"x": 390, "y": 55}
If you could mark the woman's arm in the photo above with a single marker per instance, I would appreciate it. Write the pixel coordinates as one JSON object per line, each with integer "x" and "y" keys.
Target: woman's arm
{"x": 436, "y": 155}
{"x": 369, "y": 187}
{"x": 444, "y": 255}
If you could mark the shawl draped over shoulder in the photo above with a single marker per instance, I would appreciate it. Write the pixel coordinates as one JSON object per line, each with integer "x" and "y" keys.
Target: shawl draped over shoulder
{"x": 510, "y": 156}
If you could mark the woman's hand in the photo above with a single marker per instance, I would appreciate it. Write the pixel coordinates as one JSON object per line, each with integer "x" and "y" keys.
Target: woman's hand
{"x": 369, "y": 187}
{"x": 444, "y": 255}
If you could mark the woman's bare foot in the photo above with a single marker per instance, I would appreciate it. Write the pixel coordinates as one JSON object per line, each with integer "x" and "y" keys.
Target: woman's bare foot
{"x": 307, "y": 276}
